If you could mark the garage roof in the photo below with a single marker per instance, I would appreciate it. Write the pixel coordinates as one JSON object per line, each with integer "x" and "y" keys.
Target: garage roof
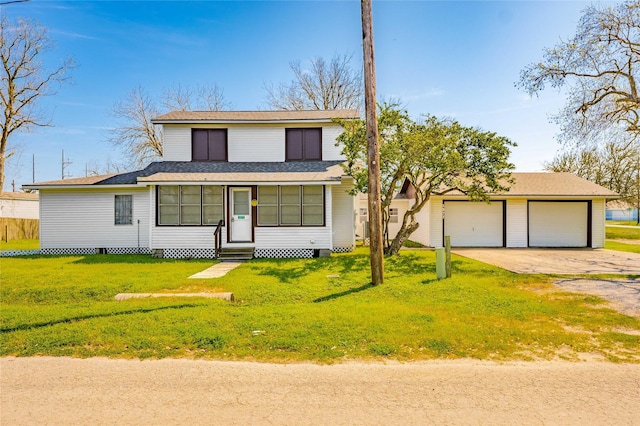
{"x": 556, "y": 184}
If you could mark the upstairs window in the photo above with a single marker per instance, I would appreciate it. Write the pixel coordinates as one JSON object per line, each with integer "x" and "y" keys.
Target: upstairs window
{"x": 209, "y": 145}
{"x": 304, "y": 144}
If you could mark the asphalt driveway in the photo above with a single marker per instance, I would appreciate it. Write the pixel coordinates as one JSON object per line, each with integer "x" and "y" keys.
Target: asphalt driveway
{"x": 556, "y": 261}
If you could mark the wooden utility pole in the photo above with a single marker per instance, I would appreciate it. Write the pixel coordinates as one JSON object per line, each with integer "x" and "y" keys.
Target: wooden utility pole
{"x": 373, "y": 150}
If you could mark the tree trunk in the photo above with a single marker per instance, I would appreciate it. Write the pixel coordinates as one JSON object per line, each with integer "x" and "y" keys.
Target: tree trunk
{"x": 2, "y": 160}
{"x": 402, "y": 236}
{"x": 373, "y": 151}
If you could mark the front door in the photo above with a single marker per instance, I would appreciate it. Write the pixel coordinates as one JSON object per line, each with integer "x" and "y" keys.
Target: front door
{"x": 240, "y": 214}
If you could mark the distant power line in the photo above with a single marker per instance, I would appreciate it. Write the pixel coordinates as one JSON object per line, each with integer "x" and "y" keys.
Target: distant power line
{"x": 2, "y": 3}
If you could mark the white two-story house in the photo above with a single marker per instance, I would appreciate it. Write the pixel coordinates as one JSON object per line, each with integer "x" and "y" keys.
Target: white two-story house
{"x": 271, "y": 181}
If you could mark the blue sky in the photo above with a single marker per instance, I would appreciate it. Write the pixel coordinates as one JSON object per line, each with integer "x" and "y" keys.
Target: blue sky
{"x": 447, "y": 58}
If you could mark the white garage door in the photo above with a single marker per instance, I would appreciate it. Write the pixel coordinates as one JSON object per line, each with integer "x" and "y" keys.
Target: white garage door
{"x": 558, "y": 224}
{"x": 471, "y": 224}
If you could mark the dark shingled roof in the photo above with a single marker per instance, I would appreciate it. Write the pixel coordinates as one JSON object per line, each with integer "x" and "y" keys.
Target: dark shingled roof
{"x": 188, "y": 167}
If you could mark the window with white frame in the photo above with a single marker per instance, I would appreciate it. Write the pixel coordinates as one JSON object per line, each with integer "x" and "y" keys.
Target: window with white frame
{"x": 393, "y": 215}
{"x": 190, "y": 205}
{"x": 291, "y": 205}
{"x": 364, "y": 214}
{"x": 123, "y": 209}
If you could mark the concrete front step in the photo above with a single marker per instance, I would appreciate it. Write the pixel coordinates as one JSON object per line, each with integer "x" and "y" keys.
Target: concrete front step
{"x": 234, "y": 254}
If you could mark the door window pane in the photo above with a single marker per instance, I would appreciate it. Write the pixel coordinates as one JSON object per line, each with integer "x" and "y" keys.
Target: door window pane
{"x": 241, "y": 203}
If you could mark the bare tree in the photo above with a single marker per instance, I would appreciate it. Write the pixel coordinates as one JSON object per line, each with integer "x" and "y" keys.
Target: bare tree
{"x": 324, "y": 86}
{"x": 202, "y": 98}
{"x": 138, "y": 136}
{"x": 600, "y": 67}
{"x": 25, "y": 80}
{"x": 616, "y": 166}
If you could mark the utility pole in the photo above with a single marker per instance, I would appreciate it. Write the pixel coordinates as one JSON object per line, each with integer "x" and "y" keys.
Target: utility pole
{"x": 373, "y": 149}
{"x": 33, "y": 168}
{"x": 64, "y": 164}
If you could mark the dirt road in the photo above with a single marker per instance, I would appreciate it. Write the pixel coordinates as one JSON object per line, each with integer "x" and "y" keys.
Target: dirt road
{"x": 100, "y": 391}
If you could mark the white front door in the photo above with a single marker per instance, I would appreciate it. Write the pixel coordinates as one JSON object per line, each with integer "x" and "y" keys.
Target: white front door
{"x": 240, "y": 214}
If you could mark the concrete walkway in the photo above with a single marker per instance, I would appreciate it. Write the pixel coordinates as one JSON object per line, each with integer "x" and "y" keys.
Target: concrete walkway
{"x": 218, "y": 270}
{"x": 98, "y": 391}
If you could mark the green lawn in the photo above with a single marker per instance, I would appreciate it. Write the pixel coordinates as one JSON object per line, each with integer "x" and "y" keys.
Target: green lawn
{"x": 19, "y": 245}
{"x": 298, "y": 310}
{"x": 614, "y": 233}
{"x": 622, "y": 222}
{"x": 615, "y": 245}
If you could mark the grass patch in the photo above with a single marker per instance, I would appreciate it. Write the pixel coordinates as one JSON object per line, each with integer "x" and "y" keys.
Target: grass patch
{"x": 615, "y": 245}
{"x": 19, "y": 245}
{"x": 613, "y": 233}
{"x": 413, "y": 244}
{"x": 321, "y": 310}
{"x": 623, "y": 222}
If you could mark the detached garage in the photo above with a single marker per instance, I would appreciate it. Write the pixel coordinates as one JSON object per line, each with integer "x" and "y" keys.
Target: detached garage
{"x": 539, "y": 210}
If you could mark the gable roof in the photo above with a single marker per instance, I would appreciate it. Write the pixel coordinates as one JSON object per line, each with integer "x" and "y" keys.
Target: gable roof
{"x": 556, "y": 184}
{"x": 254, "y": 116}
{"x": 547, "y": 184}
{"x": 189, "y": 171}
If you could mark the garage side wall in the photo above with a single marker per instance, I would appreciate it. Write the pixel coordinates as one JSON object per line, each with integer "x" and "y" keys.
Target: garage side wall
{"x": 421, "y": 235}
{"x": 517, "y": 223}
{"x": 598, "y": 212}
{"x": 435, "y": 222}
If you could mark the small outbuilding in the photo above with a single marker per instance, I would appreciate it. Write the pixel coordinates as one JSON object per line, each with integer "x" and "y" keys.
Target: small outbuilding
{"x": 539, "y": 210}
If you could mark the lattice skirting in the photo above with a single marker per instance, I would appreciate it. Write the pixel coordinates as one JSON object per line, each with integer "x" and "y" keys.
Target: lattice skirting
{"x": 342, "y": 249}
{"x": 283, "y": 253}
{"x": 85, "y": 251}
{"x": 184, "y": 253}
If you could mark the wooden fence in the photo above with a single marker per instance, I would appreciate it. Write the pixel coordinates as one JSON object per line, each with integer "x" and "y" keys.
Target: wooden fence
{"x": 19, "y": 229}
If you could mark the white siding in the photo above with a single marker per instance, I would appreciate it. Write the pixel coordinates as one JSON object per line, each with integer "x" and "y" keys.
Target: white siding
{"x": 517, "y": 223}
{"x": 329, "y": 149}
{"x": 298, "y": 237}
{"x": 256, "y": 143}
{"x": 85, "y": 219}
{"x": 176, "y": 144}
{"x": 343, "y": 214}
{"x": 598, "y": 212}
{"x": 249, "y": 142}
{"x": 421, "y": 235}
{"x": 435, "y": 222}
{"x": 20, "y": 209}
